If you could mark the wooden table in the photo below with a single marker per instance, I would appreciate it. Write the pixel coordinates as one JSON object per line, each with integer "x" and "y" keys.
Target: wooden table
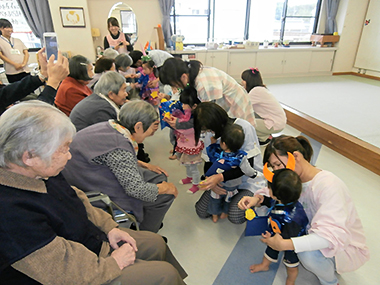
{"x": 322, "y": 39}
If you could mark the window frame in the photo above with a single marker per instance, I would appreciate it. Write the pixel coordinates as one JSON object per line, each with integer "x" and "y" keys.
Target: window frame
{"x": 211, "y": 20}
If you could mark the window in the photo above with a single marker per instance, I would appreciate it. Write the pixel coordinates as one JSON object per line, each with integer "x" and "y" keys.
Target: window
{"x": 128, "y": 21}
{"x": 191, "y": 19}
{"x": 10, "y": 10}
{"x": 218, "y": 21}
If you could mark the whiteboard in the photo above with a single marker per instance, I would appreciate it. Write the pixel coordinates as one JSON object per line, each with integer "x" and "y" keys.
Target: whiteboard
{"x": 368, "y": 55}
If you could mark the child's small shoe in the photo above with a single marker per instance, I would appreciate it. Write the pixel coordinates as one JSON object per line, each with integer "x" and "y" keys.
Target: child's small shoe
{"x": 186, "y": 180}
{"x": 193, "y": 189}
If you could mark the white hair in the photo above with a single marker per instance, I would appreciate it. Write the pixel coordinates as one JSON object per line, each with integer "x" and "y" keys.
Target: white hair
{"x": 136, "y": 111}
{"x": 35, "y": 127}
{"x": 109, "y": 81}
{"x": 110, "y": 53}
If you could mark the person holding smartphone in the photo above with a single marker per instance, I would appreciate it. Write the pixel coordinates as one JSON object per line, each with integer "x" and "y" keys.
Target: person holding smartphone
{"x": 116, "y": 39}
{"x": 13, "y": 52}
{"x": 51, "y": 73}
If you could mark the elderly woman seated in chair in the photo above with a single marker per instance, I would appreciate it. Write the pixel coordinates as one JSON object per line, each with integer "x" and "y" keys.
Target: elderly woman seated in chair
{"x": 104, "y": 159}
{"x": 49, "y": 232}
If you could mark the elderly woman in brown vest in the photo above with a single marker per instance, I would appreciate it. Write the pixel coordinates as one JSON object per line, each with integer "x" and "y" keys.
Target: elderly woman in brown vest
{"x": 49, "y": 231}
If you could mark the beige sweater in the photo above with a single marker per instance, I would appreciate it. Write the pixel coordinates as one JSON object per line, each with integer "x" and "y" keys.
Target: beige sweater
{"x": 63, "y": 261}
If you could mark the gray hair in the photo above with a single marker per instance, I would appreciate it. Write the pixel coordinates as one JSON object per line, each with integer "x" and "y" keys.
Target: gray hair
{"x": 123, "y": 60}
{"x": 110, "y": 53}
{"x": 35, "y": 127}
{"x": 109, "y": 81}
{"x": 136, "y": 111}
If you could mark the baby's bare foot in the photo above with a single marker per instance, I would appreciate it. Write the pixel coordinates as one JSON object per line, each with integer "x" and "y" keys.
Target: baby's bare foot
{"x": 258, "y": 267}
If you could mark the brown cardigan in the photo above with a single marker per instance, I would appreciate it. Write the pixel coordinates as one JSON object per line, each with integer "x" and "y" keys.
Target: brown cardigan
{"x": 62, "y": 261}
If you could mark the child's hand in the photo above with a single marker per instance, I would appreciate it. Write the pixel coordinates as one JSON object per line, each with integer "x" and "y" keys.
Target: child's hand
{"x": 213, "y": 140}
{"x": 171, "y": 121}
{"x": 247, "y": 202}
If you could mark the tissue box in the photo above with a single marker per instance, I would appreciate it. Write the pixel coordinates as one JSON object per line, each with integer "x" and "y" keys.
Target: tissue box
{"x": 251, "y": 45}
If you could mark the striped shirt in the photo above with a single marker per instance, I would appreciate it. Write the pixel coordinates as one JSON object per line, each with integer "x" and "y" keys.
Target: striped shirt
{"x": 217, "y": 86}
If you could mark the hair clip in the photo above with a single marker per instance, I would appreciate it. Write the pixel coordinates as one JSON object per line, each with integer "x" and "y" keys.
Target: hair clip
{"x": 291, "y": 164}
{"x": 146, "y": 58}
{"x": 254, "y": 70}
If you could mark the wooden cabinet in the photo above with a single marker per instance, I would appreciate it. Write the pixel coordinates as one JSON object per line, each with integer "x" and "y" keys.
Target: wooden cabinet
{"x": 240, "y": 61}
{"x": 217, "y": 59}
{"x": 272, "y": 63}
{"x": 321, "y": 61}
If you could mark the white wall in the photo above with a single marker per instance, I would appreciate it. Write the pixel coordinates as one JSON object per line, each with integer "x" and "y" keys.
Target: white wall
{"x": 75, "y": 40}
{"x": 148, "y": 16}
{"x": 350, "y": 19}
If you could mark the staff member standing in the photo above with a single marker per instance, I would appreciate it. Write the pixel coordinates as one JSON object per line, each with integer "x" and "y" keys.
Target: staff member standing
{"x": 116, "y": 39}
{"x": 13, "y": 52}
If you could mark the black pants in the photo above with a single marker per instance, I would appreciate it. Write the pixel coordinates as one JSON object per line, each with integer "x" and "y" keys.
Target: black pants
{"x": 16, "y": 77}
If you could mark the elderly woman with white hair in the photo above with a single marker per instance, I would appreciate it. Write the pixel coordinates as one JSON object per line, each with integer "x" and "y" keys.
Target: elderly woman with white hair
{"x": 104, "y": 104}
{"x": 49, "y": 232}
{"x": 109, "y": 95}
{"x": 104, "y": 159}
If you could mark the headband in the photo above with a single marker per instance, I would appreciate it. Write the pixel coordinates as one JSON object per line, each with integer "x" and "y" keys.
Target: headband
{"x": 291, "y": 164}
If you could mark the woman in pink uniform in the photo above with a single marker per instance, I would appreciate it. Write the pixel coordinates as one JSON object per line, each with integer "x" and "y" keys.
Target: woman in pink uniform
{"x": 335, "y": 240}
{"x": 116, "y": 39}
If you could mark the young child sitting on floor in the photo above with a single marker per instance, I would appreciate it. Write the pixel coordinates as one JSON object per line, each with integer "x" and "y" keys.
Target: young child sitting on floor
{"x": 225, "y": 156}
{"x": 287, "y": 217}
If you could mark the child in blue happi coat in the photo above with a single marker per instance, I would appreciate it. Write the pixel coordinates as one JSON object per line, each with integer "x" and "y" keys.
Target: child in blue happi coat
{"x": 225, "y": 156}
{"x": 286, "y": 217}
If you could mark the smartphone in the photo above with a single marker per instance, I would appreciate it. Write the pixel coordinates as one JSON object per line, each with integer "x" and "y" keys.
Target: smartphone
{"x": 51, "y": 45}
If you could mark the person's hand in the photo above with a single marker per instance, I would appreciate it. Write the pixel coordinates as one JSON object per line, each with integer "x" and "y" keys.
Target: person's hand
{"x": 161, "y": 96}
{"x": 116, "y": 235}
{"x": 126, "y": 43}
{"x": 18, "y": 66}
{"x": 219, "y": 190}
{"x": 155, "y": 168}
{"x": 171, "y": 121}
{"x": 213, "y": 140}
{"x": 248, "y": 202}
{"x": 277, "y": 242}
{"x": 42, "y": 62}
{"x": 57, "y": 71}
{"x": 124, "y": 255}
{"x": 211, "y": 182}
{"x": 167, "y": 188}
{"x": 152, "y": 83}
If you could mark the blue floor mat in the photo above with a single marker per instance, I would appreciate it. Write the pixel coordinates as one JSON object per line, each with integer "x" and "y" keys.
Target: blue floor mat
{"x": 247, "y": 251}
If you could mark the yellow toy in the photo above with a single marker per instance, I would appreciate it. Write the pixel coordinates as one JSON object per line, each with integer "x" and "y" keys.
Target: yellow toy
{"x": 250, "y": 214}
